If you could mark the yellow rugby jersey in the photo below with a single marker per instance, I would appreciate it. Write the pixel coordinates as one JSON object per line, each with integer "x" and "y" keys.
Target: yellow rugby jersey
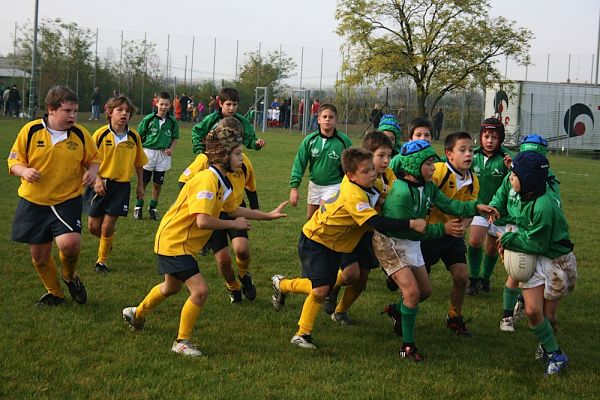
{"x": 61, "y": 165}
{"x": 119, "y": 159}
{"x": 384, "y": 183}
{"x": 448, "y": 180}
{"x": 242, "y": 179}
{"x": 340, "y": 222}
{"x": 208, "y": 192}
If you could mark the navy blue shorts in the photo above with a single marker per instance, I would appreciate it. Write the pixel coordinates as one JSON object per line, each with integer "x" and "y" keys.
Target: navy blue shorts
{"x": 363, "y": 254}
{"x": 319, "y": 263}
{"x": 218, "y": 239}
{"x": 37, "y": 224}
{"x": 181, "y": 267}
{"x": 115, "y": 202}
{"x": 451, "y": 250}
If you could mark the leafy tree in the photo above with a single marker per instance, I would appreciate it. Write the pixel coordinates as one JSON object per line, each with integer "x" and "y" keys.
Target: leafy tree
{"x": 441, "y": 45}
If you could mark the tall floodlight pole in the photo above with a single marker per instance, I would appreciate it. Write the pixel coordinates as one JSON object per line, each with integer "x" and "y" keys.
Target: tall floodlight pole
{"x": 33, "y": 65}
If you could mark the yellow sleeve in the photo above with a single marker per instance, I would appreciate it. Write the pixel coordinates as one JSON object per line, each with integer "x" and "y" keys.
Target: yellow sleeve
{"x": 357, "y": 205}
{"x": 18, "y": 155}
{"x": 199, "y": 164}
{"x": 91, "y": 156}
{"x": 250, "y": 177}
{"x": 204, "y": 195}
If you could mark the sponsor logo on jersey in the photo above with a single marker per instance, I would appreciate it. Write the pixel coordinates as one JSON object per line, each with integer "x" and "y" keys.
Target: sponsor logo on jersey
{"x": 40, "y": 143}
{"x": 13, "y": 155}
{"x": 362, "y": 206}
{"x": 205, "y": 195}
{"x": 333, "y": 155}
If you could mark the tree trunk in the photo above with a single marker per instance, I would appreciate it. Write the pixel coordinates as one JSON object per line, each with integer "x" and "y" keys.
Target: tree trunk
{"x": 421, "y": 98}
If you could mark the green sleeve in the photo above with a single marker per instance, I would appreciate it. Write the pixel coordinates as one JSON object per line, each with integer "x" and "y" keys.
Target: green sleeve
{"x": 500, "y": 199}
{"x": 299, "y": 165}
{"x": 453, "y": 207}
{"x": 249, "y": 133}
{"x": 175, "y": 133}
{"x": 396, "y": 165}
{"x": 199, "y": 132}
{"x": 142, "y": 127}
{"x": 535, "y": 240}
{"x": 434, "y": 231}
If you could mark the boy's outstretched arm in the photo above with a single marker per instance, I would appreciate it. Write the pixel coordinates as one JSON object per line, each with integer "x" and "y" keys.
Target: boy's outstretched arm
{"x": 260, "y": 215}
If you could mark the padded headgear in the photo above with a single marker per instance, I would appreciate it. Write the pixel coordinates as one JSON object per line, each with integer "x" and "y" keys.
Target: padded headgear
{"x": 531, "y": 168}
{"x": 535, "y": 143}
{"x": 389, "y": 122}
{"x": 413, "y": 154}
{"x": 219, "y": 143}
{"x": 493, "y": 124}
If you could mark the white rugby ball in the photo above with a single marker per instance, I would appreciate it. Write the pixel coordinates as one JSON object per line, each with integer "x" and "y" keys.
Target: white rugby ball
{"x": 519, "y": 266}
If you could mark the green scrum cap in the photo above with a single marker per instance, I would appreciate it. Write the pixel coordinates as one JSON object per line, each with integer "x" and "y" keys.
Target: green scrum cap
{"x": 413, "y": 154}
{"x": 535, "y": 143}
{"x": 389, "y": 123}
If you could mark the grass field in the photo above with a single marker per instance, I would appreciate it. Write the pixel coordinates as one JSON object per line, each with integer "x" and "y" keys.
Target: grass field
{"x": 75, "y": 351}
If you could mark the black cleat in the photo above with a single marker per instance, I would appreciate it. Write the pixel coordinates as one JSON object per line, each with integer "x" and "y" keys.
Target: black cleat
{"x": 77, "y": 290}
{"x": 458, "y": 325}
{"x": 101, "y": 268}
{"x": 248, "y": 287}
{"x": 391, "y": 311}
{"x": 50, "y": 300}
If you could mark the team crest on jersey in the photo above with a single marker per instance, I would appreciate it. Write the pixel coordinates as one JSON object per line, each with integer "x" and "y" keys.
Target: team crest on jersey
{"x": 333, "y": 155}
{"x": 476, "y": 170}
{"x": 314, "y": 152}
{"x": 205, "y": 194}
{"x": 71, "y": 145}
{"x": 129, "y": 144}
{"x": 362, "y": 206}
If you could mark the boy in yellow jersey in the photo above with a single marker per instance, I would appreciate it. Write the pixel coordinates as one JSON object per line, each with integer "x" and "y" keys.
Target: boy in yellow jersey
{"x": 121, "y": 150}
{"x": 355, "y": 269}
{"x": 240, "y": 179}
{"x": 334, "y": 231}
{"x": 186, "y": 228}
{"x": 54, "y": 157}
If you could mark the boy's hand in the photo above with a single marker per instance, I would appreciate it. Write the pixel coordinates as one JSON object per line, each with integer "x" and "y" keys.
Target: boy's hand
{"x": 494, "y": 215}
{"x": 499, "y": 246}
{"x": 507, "y": 161}
{"x": 31, "y": 175}
{"x": 89, "y": 177}
{"x": 491, "y": 212}
{"x": 168, "y": 151}
{"x": 100, "y": 186}
{"x": 418, "y": 225}
{"x": 276, "y": 213}
{"x": 455, "y": 228}
{"x": 241, "y": 224}
{"x": 260, "y": 143}
{"x": 294, "y": 197}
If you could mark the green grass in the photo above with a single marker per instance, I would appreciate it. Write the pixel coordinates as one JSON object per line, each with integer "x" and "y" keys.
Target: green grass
{"x": 87, "y": 352}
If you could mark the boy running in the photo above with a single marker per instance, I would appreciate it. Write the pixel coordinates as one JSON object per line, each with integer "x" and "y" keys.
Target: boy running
{"x": 121, "y": 151}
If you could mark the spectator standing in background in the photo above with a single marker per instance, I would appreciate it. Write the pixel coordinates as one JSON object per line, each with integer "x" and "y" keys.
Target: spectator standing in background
{"x": 375, "y": 117}
{"x": 14, "y": 101}
{"x": 95, "y": 104}
{"x": 314, "y": 110}
{"x": 438, "y": 121}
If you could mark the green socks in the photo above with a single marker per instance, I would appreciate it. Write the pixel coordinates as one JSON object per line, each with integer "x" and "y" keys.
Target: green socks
{"x": 474, "y": 256}
{"x": 139, "y": 203}
{"x": 153, "y": 203}
{"x": 545, "y": 336}
{"x": 489, "y": 262}
{"x": 509, "y": 299}
{"x": 409, "y": 317}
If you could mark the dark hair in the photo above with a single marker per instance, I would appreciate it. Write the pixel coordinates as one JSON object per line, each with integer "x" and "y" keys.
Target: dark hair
{"x": 229, "y": 93}
{"x": 115, "y": 102}
{"x": 417, "y": 123}
{"x": 353, "y": 156}
{"x": 374, "y": 140}
{"x": 452, "y": 138}
{"x": 328, "y": 106}
{"x": 164, "y": 95}
{"x": 58, "y": 95}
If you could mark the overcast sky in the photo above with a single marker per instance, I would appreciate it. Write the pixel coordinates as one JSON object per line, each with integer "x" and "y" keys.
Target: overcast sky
{"x": 560, "y": 27}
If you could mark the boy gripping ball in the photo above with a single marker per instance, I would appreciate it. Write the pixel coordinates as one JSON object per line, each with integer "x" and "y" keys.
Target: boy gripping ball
{"x": 542, "y": 231}
{"x": 159, "y": 132}
{"x": 121, "y": 150}
{"x": 186, "y": 228}
{"x": 54, "y": 157}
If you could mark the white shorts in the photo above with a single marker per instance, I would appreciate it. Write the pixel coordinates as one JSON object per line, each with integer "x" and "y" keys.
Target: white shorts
{"x": 157, "y": 160}
{"x": 493, "y": 229}
{"x": 395, "y": 254}
{"x": 558, "y": 276}
{"x": 316, "y": 193}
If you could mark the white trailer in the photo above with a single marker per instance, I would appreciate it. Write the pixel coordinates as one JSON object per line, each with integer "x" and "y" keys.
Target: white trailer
{"x": 566, "y": 114}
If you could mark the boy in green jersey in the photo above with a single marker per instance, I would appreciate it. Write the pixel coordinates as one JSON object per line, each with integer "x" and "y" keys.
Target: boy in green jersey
{"x": 228, "y": 101}
{"x": 491, "y": 164}
{"x": 541, "y": 230}
{"x": 321, "y": 151}
{"x": 399, "y": 252}
{"x": 159, "y": 132}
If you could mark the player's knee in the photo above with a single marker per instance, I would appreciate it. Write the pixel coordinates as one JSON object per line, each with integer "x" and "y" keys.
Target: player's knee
{"x": 460, "y": 277}
{"x": 424, "y": 294}
{"x": 199, "y": 294}
{"x": 534, "y": 313}
{"x": 321, "y": 292}
{"x": 94, "y": 228}
{"x": 411, "y": 296}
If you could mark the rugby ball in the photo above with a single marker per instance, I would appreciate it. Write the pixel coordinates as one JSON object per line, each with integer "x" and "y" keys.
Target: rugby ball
{"x": 519, "y": 266}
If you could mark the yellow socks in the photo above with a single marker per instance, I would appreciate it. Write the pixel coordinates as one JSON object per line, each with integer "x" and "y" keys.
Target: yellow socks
{"x": 310, "y": 311}
{"x": 351, "y": 293}
{"x": 339, "y": 280}
{"x": 296, "y": 285}
{"x": 242, "y": 266}
{"x": 68, "y": 264}
{"x": 454, "y": 311}
{"x": 104, "y": 248}
{"x": 153, "y": 298}
{"x": 47, "y": 273}
{"x": 233, "y": 286}
{"x": 189, "y": 315}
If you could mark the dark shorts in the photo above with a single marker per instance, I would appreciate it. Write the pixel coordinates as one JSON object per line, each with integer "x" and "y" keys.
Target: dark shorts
{"x": 218, "y": 239}
{"x": 181, "y": 267}
{"x": 115, "y": 202}
{"x": 319, "y": 263}
{"x": 451, "y": 250}
{"x": 157, "y": 177}
{"x": 36, "y": 224}
{"x": 363, "y": 254}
